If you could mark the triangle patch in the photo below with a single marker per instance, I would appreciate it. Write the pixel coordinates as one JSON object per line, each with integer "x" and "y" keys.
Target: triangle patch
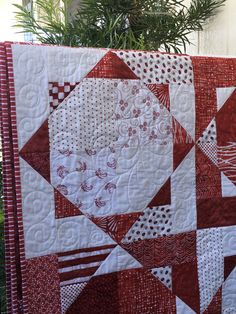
{"x": 164, "y": 274}
{"x": 38, "y": 156}
{"x": 111, "y": 67}
{"x": 163, "y": 196}
{"x": 117, "y": 225}
{"x": 69, "y": 294}
{"x": 228, "y": 187}
{"x": 215, "y": 305}
{"x": 183, "y": 143}
{"x": 58, "y": 92}
{"x": 161, "y": 91}
{"x": 63, "y": 207}
{"x": 222, "y": 95}
{"x": 210, "y": 150}
{"x": 119, "y": 259}
{"x": 209, "y": 134}
{"x": 188, "y": 290}
{"x": 183, "y": 308}
{"x": 229, "y": 265}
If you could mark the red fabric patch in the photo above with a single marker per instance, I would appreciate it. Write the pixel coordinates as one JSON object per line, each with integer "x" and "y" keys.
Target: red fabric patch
{"x": 215, "y": 305}
{"x": 43, "y": 285}
{"x": 38, "y": 156}
{"x": 226, "y": 121}
{"x": 185, "y": 284}
{"x": 208, "y": 177}
{"x": 161, "y": 91}
{"x": 218, "y": 72}
{"x": 129, "y": 291}
{"x": 163, "y": 196}
{"x": 63, "y": 207}
{"x": 226, "y": 138}
{"x": 111, "y": 67}
{"x": 183, "y": 143}
{"x": 58, "y": 92}
{"x": 162, "y": 251}
{"x": 229, "y": 264}
{"x": 216, "y": 212}
{"x": 117, "y": 225}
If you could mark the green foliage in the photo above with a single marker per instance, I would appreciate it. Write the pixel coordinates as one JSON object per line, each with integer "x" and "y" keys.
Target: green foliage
{"x": 121, "y": 24}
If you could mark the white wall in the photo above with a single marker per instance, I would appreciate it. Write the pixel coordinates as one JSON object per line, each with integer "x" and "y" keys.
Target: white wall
{"x": 7, "y": 20}
{"x": 219, "y": 35}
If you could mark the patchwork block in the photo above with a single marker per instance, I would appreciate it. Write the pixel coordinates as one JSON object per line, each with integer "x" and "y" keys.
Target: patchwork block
{"x": 119, "y": 181}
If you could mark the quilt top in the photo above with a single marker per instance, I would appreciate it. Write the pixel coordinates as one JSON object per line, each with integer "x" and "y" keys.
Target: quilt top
{"x": 120, "y": 181}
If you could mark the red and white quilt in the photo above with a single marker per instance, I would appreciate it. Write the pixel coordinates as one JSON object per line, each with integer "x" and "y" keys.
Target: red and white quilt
{"x": 120, "y": 181}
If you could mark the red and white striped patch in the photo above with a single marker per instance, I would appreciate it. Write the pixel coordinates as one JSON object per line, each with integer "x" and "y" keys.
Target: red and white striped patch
{"x": 79, "y": 265}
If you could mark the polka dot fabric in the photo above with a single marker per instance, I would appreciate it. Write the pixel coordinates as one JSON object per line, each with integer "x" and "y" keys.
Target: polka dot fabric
{"x": 156, "y": 68}
{"x": 164, "y": 274}
{"x": 120, "y": 180}
{"x": 154, "y": 222}
{"x": 86, "y": 119}
{"x": 209, "y": 135}
{"x": 69, "y": 294}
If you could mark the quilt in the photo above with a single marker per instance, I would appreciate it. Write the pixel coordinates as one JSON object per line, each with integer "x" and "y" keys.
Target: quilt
{"x": 119, "y": 181}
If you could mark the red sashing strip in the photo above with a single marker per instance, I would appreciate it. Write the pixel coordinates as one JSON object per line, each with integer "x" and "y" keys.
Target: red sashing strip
{"x": 16, "y": 287}
{"x": 8, "y": 187}
{"x": 218, "y": 72}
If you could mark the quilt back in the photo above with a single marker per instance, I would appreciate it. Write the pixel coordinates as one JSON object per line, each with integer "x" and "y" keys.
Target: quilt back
{"x": 120, "y": 181}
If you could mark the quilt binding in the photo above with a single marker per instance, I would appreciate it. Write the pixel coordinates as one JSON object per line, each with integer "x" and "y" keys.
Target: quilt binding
{"x": 13, "y": 223}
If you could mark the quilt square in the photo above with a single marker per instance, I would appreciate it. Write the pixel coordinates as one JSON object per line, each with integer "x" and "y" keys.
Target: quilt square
{"x": 120, "y": 181}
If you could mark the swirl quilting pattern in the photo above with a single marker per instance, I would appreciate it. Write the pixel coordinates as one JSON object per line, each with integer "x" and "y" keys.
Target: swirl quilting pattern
{"x": 122, "y": 189}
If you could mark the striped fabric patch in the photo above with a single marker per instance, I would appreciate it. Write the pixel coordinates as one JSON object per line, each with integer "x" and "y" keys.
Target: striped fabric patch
{"x": 79, "y": 265}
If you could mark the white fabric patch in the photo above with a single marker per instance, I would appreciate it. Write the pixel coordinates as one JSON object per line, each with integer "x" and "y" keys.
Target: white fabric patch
{"x": 69, "y": 294}
{"x": 155, "y": 68}
{"x": 229, "y": 294}
{"x": 34, "y": 68}
{"x": 210, "y": 262}
{"x": 118, "y": 260}
{"x": 222, "y": 95}
{"x": 182, "y": 106}
{"x": 86, "y": 118}
{"x": 229, "y": 241}
{"x": 208, "y": 142}
{"x": 94, "y": 179}
{"x": 154, "y": 222}
{"x": 183, "y": 195}
{"x": 227, "y": 186}
{"x": 44, "y": 234}
{"x": 164, "y": 274}
{"x": 183, "y": 308}
{"x": 39, "y": 222}
{"x": 209, "y": 134}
